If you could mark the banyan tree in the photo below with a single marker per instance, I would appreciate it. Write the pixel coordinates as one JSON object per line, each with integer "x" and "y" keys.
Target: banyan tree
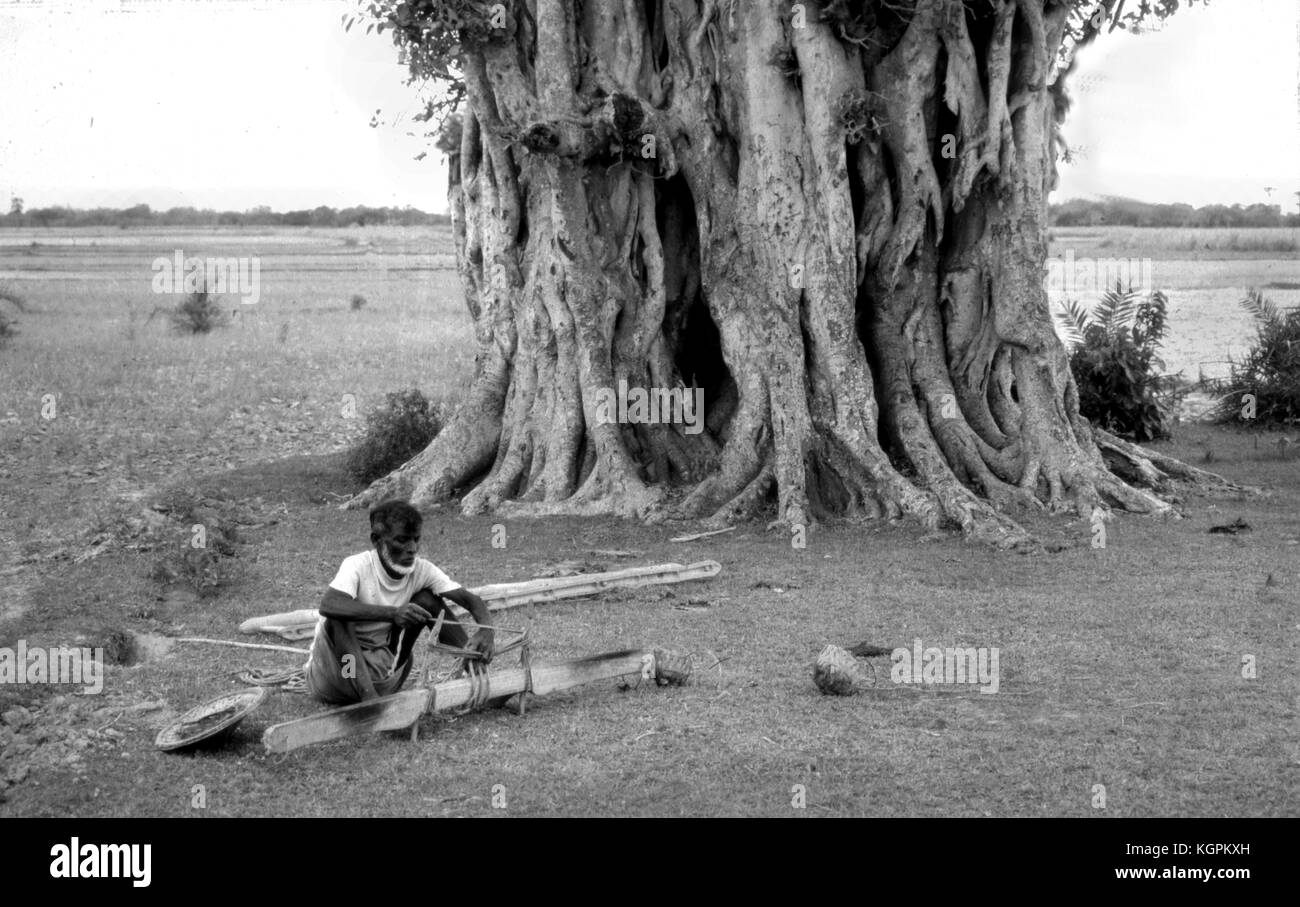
{"x": 825, "y": 220}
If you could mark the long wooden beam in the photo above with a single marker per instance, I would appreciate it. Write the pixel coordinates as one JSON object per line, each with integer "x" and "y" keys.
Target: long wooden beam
{"x": 402, "y": 711}
{"x": 546, "y": 678}
{"x": 502, "y": 596}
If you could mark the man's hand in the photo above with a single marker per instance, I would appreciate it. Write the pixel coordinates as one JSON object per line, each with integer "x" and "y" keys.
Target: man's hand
{"x": 483, "y": 641}
{"x": 411, "y": 615}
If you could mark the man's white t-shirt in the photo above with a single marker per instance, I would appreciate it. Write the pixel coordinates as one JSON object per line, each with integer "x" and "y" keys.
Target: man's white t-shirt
{"x": 363, "y": 577}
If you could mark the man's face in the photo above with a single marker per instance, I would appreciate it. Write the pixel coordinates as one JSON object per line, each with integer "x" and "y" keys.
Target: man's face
{"x": 400, "y": 545}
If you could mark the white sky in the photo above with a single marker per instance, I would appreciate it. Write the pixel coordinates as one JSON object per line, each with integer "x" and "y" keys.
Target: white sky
{"x": 1204, "y": 111}
{"x": 229, "y": 105}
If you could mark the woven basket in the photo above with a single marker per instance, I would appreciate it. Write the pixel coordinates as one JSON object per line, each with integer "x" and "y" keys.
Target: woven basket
{"x": 210, "y": 723}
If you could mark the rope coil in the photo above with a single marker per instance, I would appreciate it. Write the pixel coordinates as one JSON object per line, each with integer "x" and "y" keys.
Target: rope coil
{"x": 292, "y": 681}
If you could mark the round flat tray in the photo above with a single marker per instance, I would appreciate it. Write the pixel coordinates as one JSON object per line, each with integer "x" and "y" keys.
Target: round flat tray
{"x": 211, "y": 721}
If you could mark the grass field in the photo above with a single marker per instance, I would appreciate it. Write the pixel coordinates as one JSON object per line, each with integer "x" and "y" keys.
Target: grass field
{"x": 1184, "y": 243}
{"x": 1120, "y": 666}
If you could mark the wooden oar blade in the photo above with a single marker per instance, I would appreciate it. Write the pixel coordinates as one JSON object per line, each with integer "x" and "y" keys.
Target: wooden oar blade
{"x": 388, "y": 713}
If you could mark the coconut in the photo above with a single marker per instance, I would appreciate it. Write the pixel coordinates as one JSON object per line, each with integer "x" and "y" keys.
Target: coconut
{"x": 836, "y": 671}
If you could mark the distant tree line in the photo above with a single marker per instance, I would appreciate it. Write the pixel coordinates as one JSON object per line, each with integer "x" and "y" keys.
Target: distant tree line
{"x": 1109, "y": 210}
{"x": 1129, "y": 212}
{"x": 144, "y": 216}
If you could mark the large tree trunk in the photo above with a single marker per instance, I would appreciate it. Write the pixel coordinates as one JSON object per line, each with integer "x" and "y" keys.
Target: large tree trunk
{"x": 829, "y": 217}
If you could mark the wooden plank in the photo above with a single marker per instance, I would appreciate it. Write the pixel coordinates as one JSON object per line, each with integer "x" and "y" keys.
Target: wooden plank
{"x": 402, "y": 710}
{"x": 271, "y": 622}
{"x": 701, "y": 535}
{"x": 550, "y": 678}
{"x": 387, "y": 713}
{"x": 503, "y": 596}
{"x": 241, "y": 645}
{"x": 511, "y": 595}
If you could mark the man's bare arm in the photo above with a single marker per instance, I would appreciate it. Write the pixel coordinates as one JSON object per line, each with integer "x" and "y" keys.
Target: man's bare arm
{"x": 471, "y": 603}
{"x": 341, "y": 606}
{"x": 484, "y": 639}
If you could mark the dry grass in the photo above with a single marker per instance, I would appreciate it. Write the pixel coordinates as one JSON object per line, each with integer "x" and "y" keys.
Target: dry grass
{"x": 1180, "y": 242}
{"x": 1119, "y": 666}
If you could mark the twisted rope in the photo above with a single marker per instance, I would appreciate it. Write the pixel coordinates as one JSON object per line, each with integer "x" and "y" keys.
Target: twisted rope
{"x": 293, "y": 681}
{"x": 469, "y": 663}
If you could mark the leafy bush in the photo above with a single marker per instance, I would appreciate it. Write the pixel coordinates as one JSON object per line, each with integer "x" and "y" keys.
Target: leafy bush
{"x": 13, "y": 297}
{"x": 199, "y": 313}
{"x": 1115, "y": 363}
{"x": 207, "y": 563}
{"x": 1270, "y": 372}
{"x": 397, "y": 431}
{"x": 8, "y": 328}
{"x": 8, "y": 325}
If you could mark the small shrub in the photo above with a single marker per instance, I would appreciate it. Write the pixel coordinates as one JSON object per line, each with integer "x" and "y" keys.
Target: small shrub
{"x": 211, "y": 566}
{"x": 8, "y": 324}
{"x": 178, "y": 501}
{"x": 397, "y": 431}
{"x": 358, "y": 302}
{"x": 13, "y": 297}
{"x": 199, "y": 313}
{"x": 1115, "y": 363}
{"x": 1270, "y": 371}
{"x": 8, "y": 329}
{"x": 204, "y": 570}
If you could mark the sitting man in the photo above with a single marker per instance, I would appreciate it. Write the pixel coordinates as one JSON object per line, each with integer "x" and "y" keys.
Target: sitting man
{"x": 377, "y": 605}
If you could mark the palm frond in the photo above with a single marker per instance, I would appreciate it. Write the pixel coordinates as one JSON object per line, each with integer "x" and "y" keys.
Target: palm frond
{"x": 1261, "y": 309}
{"x": 1073, "y": 322}
{"x": 1117, "y": 309}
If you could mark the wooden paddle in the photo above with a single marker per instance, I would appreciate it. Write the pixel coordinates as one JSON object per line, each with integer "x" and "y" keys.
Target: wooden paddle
{"x": 397, "y": 712}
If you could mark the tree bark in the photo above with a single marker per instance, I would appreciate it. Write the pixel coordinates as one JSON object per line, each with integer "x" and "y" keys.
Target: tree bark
{"x": 829, "y": 218}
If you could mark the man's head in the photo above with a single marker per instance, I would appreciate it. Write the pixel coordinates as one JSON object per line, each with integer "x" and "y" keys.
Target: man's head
{"x": 395, "y": 533}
